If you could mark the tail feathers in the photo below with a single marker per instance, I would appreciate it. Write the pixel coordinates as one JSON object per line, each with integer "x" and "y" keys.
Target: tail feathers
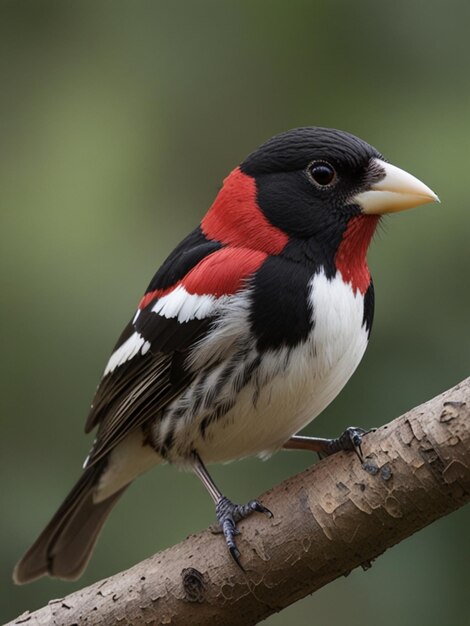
{"x": 64, "y": 547}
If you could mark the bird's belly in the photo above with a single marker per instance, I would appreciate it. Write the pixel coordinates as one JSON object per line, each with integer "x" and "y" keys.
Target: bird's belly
{"x": 313, "y": 374}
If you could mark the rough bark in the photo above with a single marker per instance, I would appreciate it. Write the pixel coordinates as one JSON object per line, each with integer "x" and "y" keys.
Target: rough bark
{"x": 328, "y": 520}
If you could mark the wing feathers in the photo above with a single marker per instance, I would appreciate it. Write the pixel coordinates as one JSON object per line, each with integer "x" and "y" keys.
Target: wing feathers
{"x": 149, "y": 366}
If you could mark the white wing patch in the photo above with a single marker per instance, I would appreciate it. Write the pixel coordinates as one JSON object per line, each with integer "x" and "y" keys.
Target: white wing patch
{"x": 178, "y": 304}
{"x": 132, "y": 346}
{"x": 185, "y": 306}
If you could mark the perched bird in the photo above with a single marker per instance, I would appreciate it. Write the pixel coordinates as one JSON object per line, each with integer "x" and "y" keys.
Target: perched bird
{"x": 249, "y": 329}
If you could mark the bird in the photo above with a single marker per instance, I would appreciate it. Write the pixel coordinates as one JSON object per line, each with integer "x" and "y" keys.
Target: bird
{"x": 247, "y": 332}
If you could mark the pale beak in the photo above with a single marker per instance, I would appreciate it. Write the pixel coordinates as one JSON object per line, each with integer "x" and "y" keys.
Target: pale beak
{"x": 397, "y": 191}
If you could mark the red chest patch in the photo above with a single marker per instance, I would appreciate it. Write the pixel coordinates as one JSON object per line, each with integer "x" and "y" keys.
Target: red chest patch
{"x": 235, "y": 218}
{"x": 351, "y": 257}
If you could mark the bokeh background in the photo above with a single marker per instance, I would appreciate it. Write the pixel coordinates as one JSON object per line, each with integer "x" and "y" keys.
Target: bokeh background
{"x": 118, "y": 121}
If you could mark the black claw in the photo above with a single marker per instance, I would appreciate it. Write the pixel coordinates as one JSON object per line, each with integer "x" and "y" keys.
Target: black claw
{"x": 256, "y": 506}
{"x": 236, "y": 557}
{"x": 358, "y": 452}
{"x": 228, "y": 514}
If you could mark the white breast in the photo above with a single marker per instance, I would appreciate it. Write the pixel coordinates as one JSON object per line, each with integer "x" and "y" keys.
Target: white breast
{"x": 306, "y": 379}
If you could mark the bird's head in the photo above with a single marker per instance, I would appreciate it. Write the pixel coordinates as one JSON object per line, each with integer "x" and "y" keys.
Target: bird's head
{"x": 316, "y": 184}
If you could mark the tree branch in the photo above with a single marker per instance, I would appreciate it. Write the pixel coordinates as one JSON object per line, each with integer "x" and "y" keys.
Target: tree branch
{"x": 328, "y": 520}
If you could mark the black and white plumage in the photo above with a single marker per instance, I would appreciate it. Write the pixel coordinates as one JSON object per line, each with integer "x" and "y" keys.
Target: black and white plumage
{"x": 249, "y": 329}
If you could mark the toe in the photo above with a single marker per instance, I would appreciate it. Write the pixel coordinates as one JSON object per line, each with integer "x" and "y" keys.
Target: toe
{"x": 228, "y": 514}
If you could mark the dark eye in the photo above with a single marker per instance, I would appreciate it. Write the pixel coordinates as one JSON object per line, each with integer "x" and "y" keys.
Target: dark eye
{"x": 322, "y": 173}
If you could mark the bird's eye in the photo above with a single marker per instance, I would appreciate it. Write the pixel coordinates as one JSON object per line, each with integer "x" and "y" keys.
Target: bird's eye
{"x": 322, "y": 173}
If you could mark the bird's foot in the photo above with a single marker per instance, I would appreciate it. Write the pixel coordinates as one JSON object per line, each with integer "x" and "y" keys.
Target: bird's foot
{"x": 350, "y": 440}
{"x": 228, "y": 514}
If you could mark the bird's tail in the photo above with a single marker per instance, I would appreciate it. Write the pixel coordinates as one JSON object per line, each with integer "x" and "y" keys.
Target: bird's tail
{"x": 64, "y": 547}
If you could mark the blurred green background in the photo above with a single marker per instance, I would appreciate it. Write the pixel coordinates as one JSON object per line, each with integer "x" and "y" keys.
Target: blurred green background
{"x": 118, "y": 121}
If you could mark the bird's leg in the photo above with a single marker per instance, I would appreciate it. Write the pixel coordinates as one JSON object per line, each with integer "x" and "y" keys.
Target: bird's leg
{"x": 228, "y": 513}
{"x": 351, "y": 439}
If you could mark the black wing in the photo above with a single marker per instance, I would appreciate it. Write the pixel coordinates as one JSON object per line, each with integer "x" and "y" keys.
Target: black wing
{"x": 135, "y": 389}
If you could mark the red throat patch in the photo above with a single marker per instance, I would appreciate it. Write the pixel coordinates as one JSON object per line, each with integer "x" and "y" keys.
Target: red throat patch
{"x": 351, "y": 257}
{"x": 235, "y": 218}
